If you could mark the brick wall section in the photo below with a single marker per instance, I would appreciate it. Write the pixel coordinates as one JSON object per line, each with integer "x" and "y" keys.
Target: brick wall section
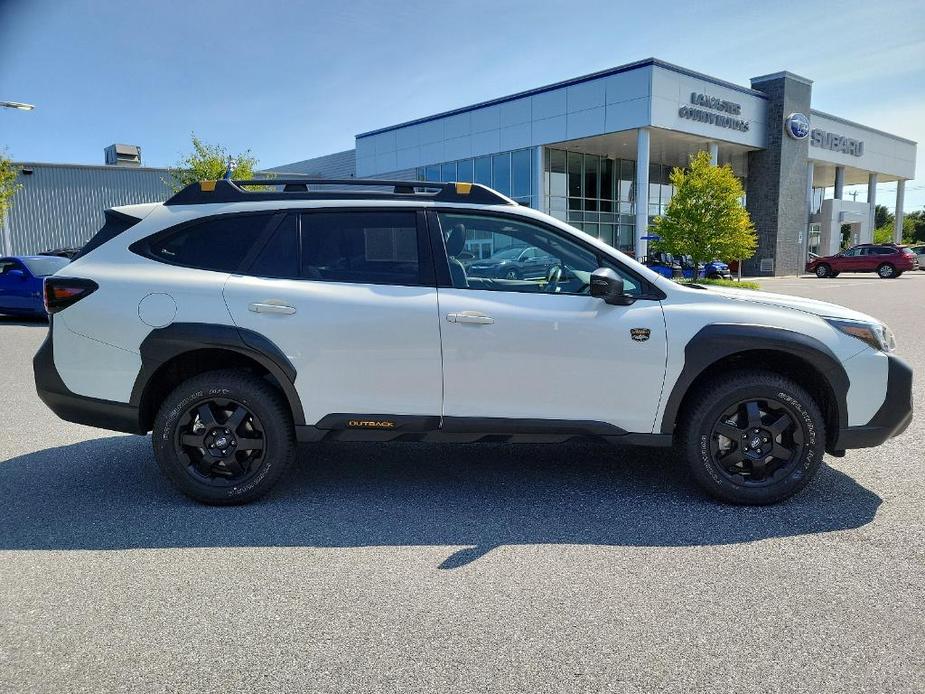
{"x": 776, "y": 189}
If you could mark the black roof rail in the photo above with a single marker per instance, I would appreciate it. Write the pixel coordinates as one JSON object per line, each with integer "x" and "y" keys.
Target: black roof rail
{"x": 225, "y": 190}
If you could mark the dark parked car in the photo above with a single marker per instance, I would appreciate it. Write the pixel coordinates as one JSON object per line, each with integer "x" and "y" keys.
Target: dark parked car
{"x": 887, "y": 260}
{"x": 518, "y": 263}
{"x": 21, "y": 283}
{"x": 68, "y": 253}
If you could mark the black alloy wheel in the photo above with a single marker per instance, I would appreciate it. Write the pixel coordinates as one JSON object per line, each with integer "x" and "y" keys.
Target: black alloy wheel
{"x": 224, "y": 437}
{"x": 752, "y": 437}
{"x": 823, "y": 270}
{"x": 754, "y": 442}
{"x": 222, "y": 441}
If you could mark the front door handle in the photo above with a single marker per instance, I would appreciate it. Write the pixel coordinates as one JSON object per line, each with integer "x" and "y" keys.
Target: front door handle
{"x": 473, "y": 317}
{"x": 271, "y": 307}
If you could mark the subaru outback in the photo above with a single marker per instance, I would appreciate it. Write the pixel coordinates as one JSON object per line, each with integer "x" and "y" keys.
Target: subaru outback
{"x": 240, "y": 318}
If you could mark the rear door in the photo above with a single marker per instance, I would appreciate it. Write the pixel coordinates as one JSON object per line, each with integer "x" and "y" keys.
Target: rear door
{"x": 349, "y": 297}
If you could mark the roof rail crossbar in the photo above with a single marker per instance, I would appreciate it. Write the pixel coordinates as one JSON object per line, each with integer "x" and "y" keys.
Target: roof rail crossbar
{"x": 224, "y": 190}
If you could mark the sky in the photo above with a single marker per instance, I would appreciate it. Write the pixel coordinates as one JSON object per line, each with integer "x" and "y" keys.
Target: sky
{"x": 292, "y": 80}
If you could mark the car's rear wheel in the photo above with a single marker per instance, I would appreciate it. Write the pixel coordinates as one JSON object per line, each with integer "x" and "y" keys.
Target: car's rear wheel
{"x": 823, "y": 271}
{"x": 224, "y": 437}
{"x": 887, "y": 271}
{"x": 754, "y": 438}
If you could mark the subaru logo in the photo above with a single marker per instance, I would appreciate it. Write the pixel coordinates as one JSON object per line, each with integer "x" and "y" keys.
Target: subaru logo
{"x": 797, "y": 126}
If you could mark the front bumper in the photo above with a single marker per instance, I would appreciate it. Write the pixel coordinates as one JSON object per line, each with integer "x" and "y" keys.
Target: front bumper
{"x": 80, "y": 409}
{"x": 894, "y": 414}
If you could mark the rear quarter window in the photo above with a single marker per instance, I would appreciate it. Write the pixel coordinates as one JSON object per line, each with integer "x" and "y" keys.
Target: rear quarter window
{"x": 216, "y": 243}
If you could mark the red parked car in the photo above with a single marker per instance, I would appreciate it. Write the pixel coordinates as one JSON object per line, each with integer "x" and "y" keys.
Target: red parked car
{"x": 887, "y": 260}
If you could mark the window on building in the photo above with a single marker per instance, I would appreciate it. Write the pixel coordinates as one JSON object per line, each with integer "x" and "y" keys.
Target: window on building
{"x": 521, "y": 174}
{"x": 448, "y": 172}
{"x": 483, "y": 171}
{"x": 218, "y": 243}
{"x": 360, "y": 247}
{"x": 464, "y": 170}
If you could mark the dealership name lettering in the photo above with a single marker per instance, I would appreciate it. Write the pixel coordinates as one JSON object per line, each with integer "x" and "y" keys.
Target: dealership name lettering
{"x": 710, "y": 109}
{"x": 836, "y": 143}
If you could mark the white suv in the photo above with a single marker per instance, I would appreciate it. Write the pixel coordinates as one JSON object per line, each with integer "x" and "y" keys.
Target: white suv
{"x": 234, "y": 320}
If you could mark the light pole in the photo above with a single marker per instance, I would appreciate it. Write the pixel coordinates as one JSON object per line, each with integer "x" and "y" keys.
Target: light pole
{"x": 18, "y": 105}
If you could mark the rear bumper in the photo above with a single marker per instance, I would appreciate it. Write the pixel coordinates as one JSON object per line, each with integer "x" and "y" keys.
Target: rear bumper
{"x": 894, "y": 414}
{"x": 80, "y": 409}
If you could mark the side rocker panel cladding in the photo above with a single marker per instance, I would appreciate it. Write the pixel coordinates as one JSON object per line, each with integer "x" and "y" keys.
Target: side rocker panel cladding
{"x": 163, "y": 344}
{"x": 715, "y": 342}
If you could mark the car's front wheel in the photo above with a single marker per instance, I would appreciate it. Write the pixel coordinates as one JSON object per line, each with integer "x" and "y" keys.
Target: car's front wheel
{"x": 823, "y": 271}
{"x": 224, "y": 437}
{"x": 754, "y": 438}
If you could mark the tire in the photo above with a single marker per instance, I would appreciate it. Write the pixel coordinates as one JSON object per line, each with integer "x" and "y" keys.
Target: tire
{"x": 511, "y": 274}
{"x": 714, "y": 276}
{"x": 781, "y": 406}
{"x": 886, "y": 271}
{"x": 236, "y": 403}
{"x": 823, "y": 271}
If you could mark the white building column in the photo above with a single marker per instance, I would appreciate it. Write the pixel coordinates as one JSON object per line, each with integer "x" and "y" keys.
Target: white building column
{"x": 714, "y": 153}
{"x": 872, "y": 201}
{"x": 898, "y": 213}
{"x": 839, "y": 182}
{"x": 642, "y": 191}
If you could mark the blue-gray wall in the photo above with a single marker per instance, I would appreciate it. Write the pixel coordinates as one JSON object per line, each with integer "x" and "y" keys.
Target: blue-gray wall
{"x": 61, "y": 205}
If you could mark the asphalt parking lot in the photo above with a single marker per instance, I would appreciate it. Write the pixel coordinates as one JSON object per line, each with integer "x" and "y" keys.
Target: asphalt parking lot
{"x": 480, "y": 568}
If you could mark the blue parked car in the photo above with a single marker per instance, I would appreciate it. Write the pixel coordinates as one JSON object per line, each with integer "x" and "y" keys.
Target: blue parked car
{"x": 21, "y": 283}
{"x": 670, "y": 266}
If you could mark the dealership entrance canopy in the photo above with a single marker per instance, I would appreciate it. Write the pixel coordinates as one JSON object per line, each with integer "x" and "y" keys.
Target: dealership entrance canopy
{"x": 596, "y": 152}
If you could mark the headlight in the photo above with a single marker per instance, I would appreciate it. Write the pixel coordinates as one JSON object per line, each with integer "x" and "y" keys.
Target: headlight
{"x": 876, "y": 335}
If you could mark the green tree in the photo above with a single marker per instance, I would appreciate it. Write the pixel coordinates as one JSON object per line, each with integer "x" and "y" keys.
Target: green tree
{"x": 882, "y": 216}
{"x": 705, "y": 218}
{"x": 208, "y": 163}
{"x": 8, "y": 185}
{"x": 914, "y": 226}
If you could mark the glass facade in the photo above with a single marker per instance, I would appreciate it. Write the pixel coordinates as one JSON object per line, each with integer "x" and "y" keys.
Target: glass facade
{"x": 598, "y": 194}
{"x": 510, "y": 173}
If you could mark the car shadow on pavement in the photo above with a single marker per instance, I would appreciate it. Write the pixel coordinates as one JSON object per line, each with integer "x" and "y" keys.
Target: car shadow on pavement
{"x": 107, "y": 493}
{"x": 25, "y": 321}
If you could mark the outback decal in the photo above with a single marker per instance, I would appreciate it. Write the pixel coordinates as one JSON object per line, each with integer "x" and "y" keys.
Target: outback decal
{"x": 640, "y": 334}
{"x": 370, "y": 424}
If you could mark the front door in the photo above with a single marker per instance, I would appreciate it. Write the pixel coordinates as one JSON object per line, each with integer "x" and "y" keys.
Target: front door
{"x": 529, "y": 349}
{"x": 349, "y": 297}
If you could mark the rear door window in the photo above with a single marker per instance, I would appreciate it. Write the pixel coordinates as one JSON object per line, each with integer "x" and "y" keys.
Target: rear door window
{"x": 362, "y": 247}
{"x": 216, "y": 243}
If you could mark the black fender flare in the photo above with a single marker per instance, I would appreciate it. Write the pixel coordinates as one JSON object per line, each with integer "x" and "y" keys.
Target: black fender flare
{"x": 720, "y": 340}
{"x": 163, "y": 344}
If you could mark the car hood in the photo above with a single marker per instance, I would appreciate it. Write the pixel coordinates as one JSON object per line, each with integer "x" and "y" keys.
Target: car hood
{"x": 818, "y": 308}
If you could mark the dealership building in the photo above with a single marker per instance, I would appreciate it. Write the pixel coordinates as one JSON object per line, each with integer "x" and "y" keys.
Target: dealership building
{"x": 596, "y": 151}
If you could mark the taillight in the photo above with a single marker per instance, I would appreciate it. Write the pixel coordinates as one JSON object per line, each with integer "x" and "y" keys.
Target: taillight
{"x": 61, "y": 292}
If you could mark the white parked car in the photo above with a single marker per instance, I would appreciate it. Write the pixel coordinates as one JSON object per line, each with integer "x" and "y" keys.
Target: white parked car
{"x": 233, "y": 323}
{"x": 920, "y": 254}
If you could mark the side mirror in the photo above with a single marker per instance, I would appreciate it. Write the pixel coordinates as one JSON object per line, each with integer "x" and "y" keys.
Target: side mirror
{"x": 607, "y": 285}
{"x": 17, "y": 275}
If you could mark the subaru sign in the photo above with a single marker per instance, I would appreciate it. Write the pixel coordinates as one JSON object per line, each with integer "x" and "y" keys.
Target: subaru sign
{"x": 797, "y": 126}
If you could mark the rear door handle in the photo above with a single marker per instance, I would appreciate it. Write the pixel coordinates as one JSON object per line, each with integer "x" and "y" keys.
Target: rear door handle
{"x": 473, "y": 317}
{"x": 271, "y": 307}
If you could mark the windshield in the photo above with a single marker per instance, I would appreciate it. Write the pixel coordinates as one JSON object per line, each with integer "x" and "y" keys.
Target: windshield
{"x": 44, "y": 265}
